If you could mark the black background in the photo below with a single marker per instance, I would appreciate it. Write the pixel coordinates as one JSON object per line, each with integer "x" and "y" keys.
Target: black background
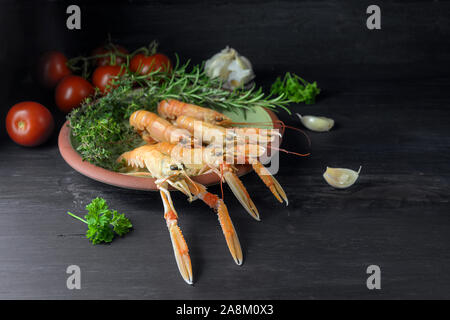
{"x": 387, "y": 89}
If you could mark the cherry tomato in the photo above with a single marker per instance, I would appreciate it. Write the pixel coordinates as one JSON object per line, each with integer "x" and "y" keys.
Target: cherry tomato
{"x": 104, "y": 75}
{"x": 71, "y": 91}
{"x": 29, "y": 123}
{"x": 107, "y": 60}
{"x": 52, "y": 68}
{"x": 143, "y": 64}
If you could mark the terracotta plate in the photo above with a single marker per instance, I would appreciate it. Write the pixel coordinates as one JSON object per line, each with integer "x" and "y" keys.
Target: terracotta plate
{"x": 72, "y": 157}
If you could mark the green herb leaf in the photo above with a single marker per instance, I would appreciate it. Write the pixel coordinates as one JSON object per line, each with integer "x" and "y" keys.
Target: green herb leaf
{"x": 103, "y": 222}
{"x": 120, "y": 223}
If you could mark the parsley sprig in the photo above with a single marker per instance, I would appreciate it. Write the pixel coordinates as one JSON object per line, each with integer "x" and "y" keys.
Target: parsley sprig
{"x": 295, "y": 89}
{"x": 102, "y": 222}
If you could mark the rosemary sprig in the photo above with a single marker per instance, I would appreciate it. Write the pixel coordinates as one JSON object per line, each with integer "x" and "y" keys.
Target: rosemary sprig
{"x": 100, "y": 127}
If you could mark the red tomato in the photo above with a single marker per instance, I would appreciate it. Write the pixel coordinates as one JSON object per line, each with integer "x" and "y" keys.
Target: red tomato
{"x": 71, "y": 91}
{"x": 29, "y": 123}
{"x": 104, "y": 75}
{"x": 107, "y": 60}
{"x": 145, "y": 64}
{"x": 52, "y": 68}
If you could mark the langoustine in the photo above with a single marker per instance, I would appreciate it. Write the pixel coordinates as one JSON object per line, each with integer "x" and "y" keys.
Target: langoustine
{"x": 165, "y": 133}
{"x": 210, "y": 132}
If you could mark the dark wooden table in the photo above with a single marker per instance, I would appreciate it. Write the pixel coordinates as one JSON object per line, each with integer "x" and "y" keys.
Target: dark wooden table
{"x": 396, "y": 216}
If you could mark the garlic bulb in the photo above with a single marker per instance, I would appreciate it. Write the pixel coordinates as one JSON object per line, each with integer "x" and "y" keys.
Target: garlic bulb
{"x": 319, "y": 124}
{"x": 229, "y": 66}
{"x": 341, "y": 178}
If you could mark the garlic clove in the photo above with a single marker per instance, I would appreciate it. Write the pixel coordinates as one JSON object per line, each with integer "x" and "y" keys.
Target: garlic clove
{"x": 318, "y": 124}
{"x": 241, "y": 72}
{"x": 341, "y": 178}
{"x": 219, "y": 69}
{"x": 245, "y": 63}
